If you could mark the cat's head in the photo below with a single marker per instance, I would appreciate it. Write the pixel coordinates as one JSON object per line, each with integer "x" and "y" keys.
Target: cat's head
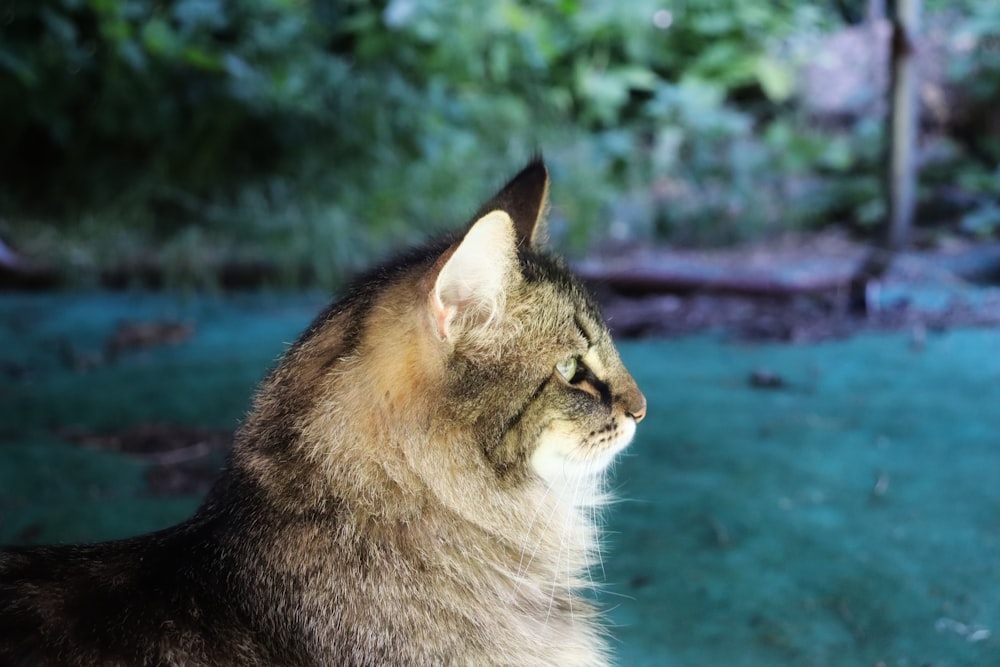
{"x": 478, "y": 353}
{"x": 529, "y": 354}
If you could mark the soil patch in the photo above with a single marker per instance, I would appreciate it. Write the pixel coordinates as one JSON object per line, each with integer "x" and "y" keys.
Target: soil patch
{"x": 181, "y": 460}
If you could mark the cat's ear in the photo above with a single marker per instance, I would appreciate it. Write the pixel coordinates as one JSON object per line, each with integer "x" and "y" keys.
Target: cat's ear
{"x": 524, "y": 199}
{"x": 473, "y": 276}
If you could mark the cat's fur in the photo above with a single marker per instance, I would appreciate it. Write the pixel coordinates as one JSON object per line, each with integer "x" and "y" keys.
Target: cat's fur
{"x": 415, "y": 485}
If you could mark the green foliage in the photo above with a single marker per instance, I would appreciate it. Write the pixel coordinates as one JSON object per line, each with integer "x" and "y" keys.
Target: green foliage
{"x": 310, "y": 131}
{"x": 978, "y": 76}
{"x": 317, "y": 128}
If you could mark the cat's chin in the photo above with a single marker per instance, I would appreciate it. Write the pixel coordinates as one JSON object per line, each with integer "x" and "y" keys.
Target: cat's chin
{"x": 572, "y": 463}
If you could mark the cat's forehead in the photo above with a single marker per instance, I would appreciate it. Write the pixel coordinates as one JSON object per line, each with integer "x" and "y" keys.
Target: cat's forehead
{"x": 539, "y": 268}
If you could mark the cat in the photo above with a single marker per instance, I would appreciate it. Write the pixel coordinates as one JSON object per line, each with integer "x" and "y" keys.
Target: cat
{"x": 416, "y": 484}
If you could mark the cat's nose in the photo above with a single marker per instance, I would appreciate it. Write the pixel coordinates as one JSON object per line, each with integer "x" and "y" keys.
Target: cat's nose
{"x": 637, "y": 407}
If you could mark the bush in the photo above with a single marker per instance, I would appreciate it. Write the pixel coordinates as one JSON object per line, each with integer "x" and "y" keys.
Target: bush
{"x": 311, "y": 132}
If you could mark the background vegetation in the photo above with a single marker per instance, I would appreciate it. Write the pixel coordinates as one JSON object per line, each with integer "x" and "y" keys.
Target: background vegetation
{"x": 308, "y": 134}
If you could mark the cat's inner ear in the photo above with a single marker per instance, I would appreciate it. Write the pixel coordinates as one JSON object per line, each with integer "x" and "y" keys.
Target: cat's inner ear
{"x": 472, "y": 281}
{"x": 525, "y": 199}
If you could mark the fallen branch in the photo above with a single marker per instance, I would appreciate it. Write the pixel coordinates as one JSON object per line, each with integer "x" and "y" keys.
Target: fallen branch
{"x": 686, "y": 277}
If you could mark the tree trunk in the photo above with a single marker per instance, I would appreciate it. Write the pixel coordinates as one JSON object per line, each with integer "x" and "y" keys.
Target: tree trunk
{"x": 903, "y": 119}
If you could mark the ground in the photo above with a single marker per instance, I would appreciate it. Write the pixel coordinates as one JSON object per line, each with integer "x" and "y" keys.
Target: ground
{"x": 826, "y": 497}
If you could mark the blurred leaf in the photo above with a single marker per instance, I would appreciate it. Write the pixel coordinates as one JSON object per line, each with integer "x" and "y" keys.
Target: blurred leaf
{"x": 132, "y": 54}
{"x": 200, "y": 14}
{"x": 982, "y": 221}
{"x": 158, "y": 38}
{"x": 604, "y": 92}
{"x": 837, "y": 154}
{"x": 58, "y": 26}
{"x": 637, "y": 77}
{"x": 18, "y": 67}
{"x": 776, "y": 78}
{"x": 200, "y": 58}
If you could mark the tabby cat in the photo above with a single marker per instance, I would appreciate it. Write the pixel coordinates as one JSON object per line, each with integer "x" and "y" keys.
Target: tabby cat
{"x": 416, "y": 485}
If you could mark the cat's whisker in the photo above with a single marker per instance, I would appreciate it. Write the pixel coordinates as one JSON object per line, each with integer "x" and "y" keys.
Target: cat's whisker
{"x": 522, "y": 567}
{"x": 566, "y": 529}
{"x": 595, "y": 519}
{"x": 555, "y": 576}
{"x": 593, "y": 511}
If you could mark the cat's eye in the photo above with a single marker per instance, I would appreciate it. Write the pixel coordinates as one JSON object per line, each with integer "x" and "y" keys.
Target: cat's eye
{"x": 569, "y": 368}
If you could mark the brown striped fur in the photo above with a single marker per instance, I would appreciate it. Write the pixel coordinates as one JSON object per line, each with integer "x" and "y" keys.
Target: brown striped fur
{"x": 416, "y": 484}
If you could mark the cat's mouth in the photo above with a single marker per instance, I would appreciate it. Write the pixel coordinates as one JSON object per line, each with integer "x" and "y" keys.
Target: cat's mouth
{"x": 565, "y": 455}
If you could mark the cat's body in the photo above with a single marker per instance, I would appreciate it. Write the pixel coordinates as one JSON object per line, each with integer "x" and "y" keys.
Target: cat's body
{"x": 416, "y": 485}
